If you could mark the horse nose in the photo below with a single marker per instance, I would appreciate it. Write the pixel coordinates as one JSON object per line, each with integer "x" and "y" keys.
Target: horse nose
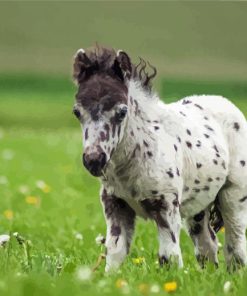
{"x": 94, "y": 162}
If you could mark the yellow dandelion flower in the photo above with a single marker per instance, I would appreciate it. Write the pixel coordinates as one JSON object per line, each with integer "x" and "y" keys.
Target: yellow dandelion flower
{"x": 120, "y": 283}
{"x": 8, "y": 214}
{"x": 46, "y": 189}
{"x": 138, "y": 260}
{"x": 170, "y": 286}
{"x": 143, "y": 288}
{"x": 222, "y": 229}
{"x": 32, "y": 200}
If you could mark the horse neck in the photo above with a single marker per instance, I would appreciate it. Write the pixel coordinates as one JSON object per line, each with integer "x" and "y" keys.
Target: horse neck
{"x": 136, "y": 133}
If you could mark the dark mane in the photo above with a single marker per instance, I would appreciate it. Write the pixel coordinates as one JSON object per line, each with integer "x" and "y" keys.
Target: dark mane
{"x": 139, "y": 73}
{"x": 97, "y": 59}
{"x": 100, "y": 59}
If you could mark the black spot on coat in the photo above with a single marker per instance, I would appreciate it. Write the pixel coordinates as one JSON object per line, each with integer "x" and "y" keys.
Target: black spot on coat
{"x": 236, "y": 126}
{"x": 198, "y": 217}
{"x": 198, "y": 165}
{"x": 243, "y": 199}
{"x": 189, "y": 145}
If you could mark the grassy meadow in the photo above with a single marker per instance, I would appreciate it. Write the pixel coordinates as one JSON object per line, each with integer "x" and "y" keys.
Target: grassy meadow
{"x": 49, "y": 204}
{"x": 53, "y": 204}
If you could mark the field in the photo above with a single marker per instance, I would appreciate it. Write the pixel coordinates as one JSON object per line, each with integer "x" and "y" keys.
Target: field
{"x": 53, "y": 204}
{"x": 49, "y": 205}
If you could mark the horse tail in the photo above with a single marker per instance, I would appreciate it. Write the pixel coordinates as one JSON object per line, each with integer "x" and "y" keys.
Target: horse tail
{"x": 215, "y": 217}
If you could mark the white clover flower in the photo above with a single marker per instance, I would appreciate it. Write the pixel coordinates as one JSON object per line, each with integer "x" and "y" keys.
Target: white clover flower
{"x": 7, "y": 154}
{"x": 3, "y": 180}
{"x": 102, "y": 283}
{"x": 99, "y": 239}
{"x": 155, "y": 288}
{"x": 186, "y": 271}
{"x": 24, "y": 189}
{"x": 40, "y": 184}
{"x": 78, "y": 236}
{"x": 126, "y": 290}
{"x": 43, "y": 186}
{"x": 83, "y": 273}
{"x": 4, "y": 238}
{"x": 227, "y": 287}
{"x": 219, "y": 244}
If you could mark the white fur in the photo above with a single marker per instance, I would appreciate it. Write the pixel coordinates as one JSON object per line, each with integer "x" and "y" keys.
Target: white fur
{"x": 80, "y": 51}
{"x": 144, "y": 174}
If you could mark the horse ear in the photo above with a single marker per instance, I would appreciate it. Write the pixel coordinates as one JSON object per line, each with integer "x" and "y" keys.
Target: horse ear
{"x": 81, "y": 63}
{"x": 124, "y": 63}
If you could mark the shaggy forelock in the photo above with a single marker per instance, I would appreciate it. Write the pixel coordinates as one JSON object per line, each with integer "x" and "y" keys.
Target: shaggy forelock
{"x": 101, "y": 89}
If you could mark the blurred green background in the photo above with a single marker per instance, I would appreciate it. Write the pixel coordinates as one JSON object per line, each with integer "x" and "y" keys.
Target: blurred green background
{"x": 197, "y": 47}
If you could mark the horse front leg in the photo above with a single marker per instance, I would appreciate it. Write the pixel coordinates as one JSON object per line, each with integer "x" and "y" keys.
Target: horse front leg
{"x": 165, "y": 212}
{"x": 120, "y": 221}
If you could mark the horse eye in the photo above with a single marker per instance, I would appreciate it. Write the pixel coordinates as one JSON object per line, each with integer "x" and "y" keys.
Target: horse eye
{"x": 77, "y": 113}
{"x": 122, "y": 113}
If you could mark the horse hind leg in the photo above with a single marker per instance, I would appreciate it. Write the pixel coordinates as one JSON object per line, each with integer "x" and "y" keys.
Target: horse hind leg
{"x": 204, "y": 238}
{"x": 233, "y": 207}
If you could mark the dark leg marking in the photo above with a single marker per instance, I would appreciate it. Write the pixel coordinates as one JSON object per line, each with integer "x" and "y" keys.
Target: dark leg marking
{"x": 212, "y": 234}
{"x": 196, "y": 229}
{"x": 163, "y": 260}
{"x": 154, "y": 209}
{"x": 115, "y": 230}
{"x": 173, "y": 237}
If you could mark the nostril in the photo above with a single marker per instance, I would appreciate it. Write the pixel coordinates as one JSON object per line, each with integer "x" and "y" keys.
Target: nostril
{"x": 94, "y": 162}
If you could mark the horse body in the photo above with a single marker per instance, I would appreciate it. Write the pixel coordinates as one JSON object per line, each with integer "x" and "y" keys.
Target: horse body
{"x": 166, "y": 163}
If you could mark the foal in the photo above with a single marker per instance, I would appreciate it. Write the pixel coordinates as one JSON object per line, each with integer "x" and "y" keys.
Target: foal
{"x": 159, "y": 161}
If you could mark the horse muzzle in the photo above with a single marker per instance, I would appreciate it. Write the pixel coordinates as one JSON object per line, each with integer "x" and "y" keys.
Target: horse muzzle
{"x": 94, "y": 163}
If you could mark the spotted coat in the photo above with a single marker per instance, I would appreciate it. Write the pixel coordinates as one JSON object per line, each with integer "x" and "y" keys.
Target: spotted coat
{"x": 169, "y": 163}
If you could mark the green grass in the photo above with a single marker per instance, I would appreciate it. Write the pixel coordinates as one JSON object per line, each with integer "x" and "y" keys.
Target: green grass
{"x": 40, "y": 140}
